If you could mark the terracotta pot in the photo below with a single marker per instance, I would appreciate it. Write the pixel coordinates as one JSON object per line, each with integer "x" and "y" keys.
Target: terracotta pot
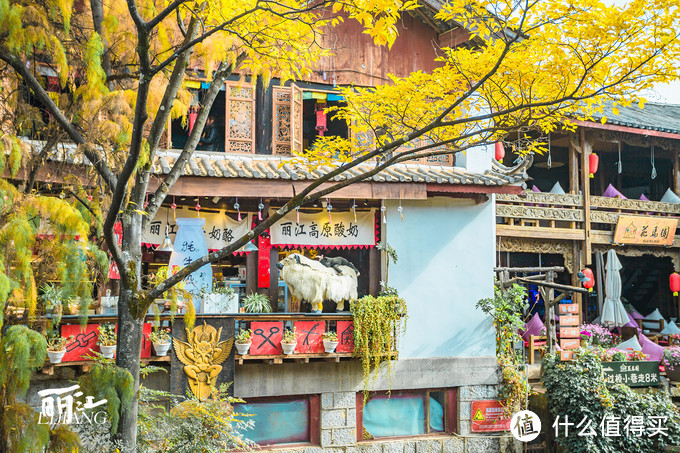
{"x": 242, "y": 348}
{"x": 107, "y": 351}
{"x": 56, "y": 356}
{"x": 161, "y": 348}
{"x": 288, "y": 348}
{"x": 329, "y": 345}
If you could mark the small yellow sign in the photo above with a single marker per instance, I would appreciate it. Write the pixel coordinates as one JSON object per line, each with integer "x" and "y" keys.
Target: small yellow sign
{"x": 479, "y": 416}
{"x": 644, "y": 230}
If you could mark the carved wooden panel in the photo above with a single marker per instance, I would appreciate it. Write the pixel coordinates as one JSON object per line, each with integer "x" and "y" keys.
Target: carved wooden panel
{"x": 296, "y": 119}
{"x": 281, "y": 121}
{"x": 604, "y": 217}
{"x": 506, "y": 244}
{"x": 540, "y": 213}
{"x": 240, "y": 118}
{"x": 635, "y": 205}
{"x": 543, "y": 198}
{"x": 629, "y": 250}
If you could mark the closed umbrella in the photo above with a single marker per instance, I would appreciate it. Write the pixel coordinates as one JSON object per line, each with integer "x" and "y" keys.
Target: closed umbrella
{"x": 613, "y": 312}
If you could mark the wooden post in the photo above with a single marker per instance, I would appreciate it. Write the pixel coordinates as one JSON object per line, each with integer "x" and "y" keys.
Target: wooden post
{"x": 599, "y": 273}
{"x": 274, "y": 279}
{"x": 251, "y": 272}
{"x": 373, "y": 271}
{"x": 550, "y": 315}
{"x": 676, "y": 170}
{"x": 578, "y": 298}
{"x": 573, "y": 169}
{"x": 585, "y": 182}
{"x": 263, "y": 118}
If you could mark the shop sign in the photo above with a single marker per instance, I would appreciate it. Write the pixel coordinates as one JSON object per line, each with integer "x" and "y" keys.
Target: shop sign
{"x": 220, "y": 230}
{"x": 646, "y": 230}
{"x": 633, "y": 374}
{"x": 489, "y": 416}
{"x": 324, "y": 229}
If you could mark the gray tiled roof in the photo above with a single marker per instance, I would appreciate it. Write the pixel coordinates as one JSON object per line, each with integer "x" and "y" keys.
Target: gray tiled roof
{"x": 656, "y": 117}
{"x": 221, "y": 165}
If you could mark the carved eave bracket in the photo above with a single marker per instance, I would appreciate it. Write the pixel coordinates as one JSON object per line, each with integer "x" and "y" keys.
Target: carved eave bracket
{"x": 523, "y": 245}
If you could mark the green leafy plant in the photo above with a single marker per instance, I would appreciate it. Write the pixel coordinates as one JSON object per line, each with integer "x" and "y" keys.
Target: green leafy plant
{"x": 222, "y": 288}
{"x": 576, "y": 389}
{"x": 506, "y": 309}
{"x": 244, "y": 336}
{"x": 378, "y": 323}
{"x": 257, "y": 303}
{"x": 106, "y": 334}
{"x": 289, "y": 336}
{"x": 57, "y": 343}
{"x": 107, "y": 381}
{"x": 330, "y": 336}
{"x": 160, "y": 335}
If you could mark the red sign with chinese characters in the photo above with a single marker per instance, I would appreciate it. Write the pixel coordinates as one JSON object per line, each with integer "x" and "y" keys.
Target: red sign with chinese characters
{"x": 570, "y": 343}
{"x": 570, "y": 332}
{"x": 266, "y": 338}
{"x": 310, "y": 336}
{"x": 345, "y": 336}
{"x": 488, "y": 416}
{"x": 568, "y": 309}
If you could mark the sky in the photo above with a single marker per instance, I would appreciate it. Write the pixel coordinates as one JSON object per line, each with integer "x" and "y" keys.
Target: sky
{"x": 665, "y": 93}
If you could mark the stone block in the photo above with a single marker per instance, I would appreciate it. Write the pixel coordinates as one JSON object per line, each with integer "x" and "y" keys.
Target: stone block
{"x": 351, "y": 418}
{"x": 344, "y": 436}
{"x": 429, "y": 446}
{"x": 326, "y": 400}
{"x": 465, "y": 408}
{"x": 485, "y": 444}
{"x": 454, "y": 445}
{"x": 326, "y": 438}
{"x": 479, "y": 392}
{"x": 369, "y": 447}
{"x": 393, "y": 447}
{"x": 345, "y": 400}
{"x": 409, "y": 447}
{"x": 334, "y": 418}
{"x": 464, "y": 427}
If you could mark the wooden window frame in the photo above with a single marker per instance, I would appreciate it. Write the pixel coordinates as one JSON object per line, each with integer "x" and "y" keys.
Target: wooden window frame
{"x": 450, "y": 413}
{"x": 314, "y": 419}
{"x": 229, "y": 84}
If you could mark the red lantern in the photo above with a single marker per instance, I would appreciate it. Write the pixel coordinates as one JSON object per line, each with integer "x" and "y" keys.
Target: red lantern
{"x": 591, "y": 280}
{"x": 674, "y": 281}
{"x": 321, "y": 119}
{"x": 593, "y": 162}
{"x": 500, "y": 152}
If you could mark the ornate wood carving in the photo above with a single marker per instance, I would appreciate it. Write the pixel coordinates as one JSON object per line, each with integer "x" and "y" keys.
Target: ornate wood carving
{"x": 564, "y": 248}
{"x": 631, "y": 250}
{"x": 240, "y": 118}
{"x": 537, "y": 212}
{"x": 635, "y": 205}
{"x": 543, "y": 198}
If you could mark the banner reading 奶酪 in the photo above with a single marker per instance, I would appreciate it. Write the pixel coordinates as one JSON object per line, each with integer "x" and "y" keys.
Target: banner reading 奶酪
{"x": 220, "y": 229}
{"x": 317, "y": 230}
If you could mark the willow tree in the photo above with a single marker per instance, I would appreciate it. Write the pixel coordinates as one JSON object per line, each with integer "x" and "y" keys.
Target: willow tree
{"x": 532, "y": 64}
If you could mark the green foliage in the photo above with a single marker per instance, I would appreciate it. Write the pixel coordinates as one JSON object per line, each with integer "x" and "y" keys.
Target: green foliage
{"x": 25, "y": 351}
{"x": 114, "y": 384}
{"x": 191, "y": 425}
{"x": 289, "y": 336}
{"x": 378, "y": 323}
{"x": 25, "y": 435}
{"x": 160, "y": 335}
{"x": 106, "y": 334}
{"x": 576, "y": 389}
{"x": 257, "y": 303}
{"x": 244, "y": 336}
{"x": 506, "y": 309}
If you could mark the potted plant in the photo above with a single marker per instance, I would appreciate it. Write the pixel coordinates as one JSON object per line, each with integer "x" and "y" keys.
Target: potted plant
{"x": 56, "y": 346}
{"x": 330, "y": 341}
{"x": 107, "y": 339}
{"x": 222, "y": 299}
{"x": 51, "y": 297}
{"x": 161, "y": 341}
{"x": 671, "y": 362}
{"x": 257, "y": 303}
{"x": 289, "y": 341}
{"x": 243, "y": 341}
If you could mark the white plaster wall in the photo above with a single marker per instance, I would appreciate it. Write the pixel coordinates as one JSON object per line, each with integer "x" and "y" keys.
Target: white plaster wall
{"x": 446, "y": 257}
{"x": 477, "y": 159}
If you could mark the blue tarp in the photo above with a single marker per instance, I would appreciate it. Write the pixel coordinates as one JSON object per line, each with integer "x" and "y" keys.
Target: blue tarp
{"x": 277, "y": 422}
{"x": 401, "y": 415}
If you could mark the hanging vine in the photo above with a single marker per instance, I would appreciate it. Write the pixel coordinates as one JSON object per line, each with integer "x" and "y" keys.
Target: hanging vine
{"x": 378, "y": 323}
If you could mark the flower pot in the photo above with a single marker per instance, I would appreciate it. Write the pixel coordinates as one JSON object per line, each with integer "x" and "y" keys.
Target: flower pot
{"x": 242, "y": 348}
{"x": 161, "y": 348}
{"x": 107, "y": 351}
{"x": 288, "y": 348}
{"x": 329, "y": 345}
{"x": 674, "y": 374}
{"x": 56, "y": 356}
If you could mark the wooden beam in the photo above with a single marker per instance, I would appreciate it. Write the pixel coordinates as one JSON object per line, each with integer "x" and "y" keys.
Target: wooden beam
{"x": 529, "y": 269}
{"x": 573, "y": 169}
{"x": 533, "y": 232}
{"x": 585, "y": 186}
{"x": 630, "y": 130}
{"x": 554, "y": 286}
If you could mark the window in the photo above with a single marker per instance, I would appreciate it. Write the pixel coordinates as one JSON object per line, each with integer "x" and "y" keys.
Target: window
{"x": 287, "y": 420}
{"x": 406, "y": 413}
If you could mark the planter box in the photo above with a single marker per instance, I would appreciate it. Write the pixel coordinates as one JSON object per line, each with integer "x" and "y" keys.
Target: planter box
{"x": 220, "y": 303}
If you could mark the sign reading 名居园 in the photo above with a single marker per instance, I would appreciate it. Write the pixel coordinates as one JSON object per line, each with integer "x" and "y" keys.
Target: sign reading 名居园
{"x": 633, "y": 374}
{"x": 266, "y": 338}
{"x": 570, "y": 334}
{"x": 220, "y": 230}
{"x": 345, "y": 336}
{"x": 310, "y": 336}
{"x": 321, "y": 229}
{"x": 487, "y": 416}
{"x": 645, "y": 230}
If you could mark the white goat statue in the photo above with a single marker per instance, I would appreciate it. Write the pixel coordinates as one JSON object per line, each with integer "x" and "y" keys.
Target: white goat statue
{"x": 310, "y": 280}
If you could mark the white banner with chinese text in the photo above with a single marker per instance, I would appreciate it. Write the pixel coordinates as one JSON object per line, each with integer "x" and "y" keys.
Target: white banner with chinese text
{"x": 220, "y": 229}
{"x": 342, "y": 229}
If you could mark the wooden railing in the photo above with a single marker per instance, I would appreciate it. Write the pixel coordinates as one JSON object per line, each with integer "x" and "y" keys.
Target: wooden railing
{"x": 561, "y": 216}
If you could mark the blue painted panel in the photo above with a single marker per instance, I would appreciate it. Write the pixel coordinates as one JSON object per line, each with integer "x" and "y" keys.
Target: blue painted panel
{"x": 401, "y": 415}
{"x": 277, "y": 422}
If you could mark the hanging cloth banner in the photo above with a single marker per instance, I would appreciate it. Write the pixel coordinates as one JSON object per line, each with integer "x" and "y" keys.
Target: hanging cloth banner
{"x": 315, "y": 230}
{"x": 220, "y": 229}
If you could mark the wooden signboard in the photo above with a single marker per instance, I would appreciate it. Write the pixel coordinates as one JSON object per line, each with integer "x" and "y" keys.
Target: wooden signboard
{"x": 567, "y": 355}
{"x": 568, "y": 309}
{"x": 488, "y": 416}
{"x": 345, "y": 336}
{"x": 309, "y": 336}
{"x": 633, "y": 374}
{"x": 645, "y": 230}
{"x": 570, "y": 343}
{"x": 267, "y": 338}
{"x": 570, "y": 332}
{"x": 85, "y": 341}
{"x": 569, "y": 321}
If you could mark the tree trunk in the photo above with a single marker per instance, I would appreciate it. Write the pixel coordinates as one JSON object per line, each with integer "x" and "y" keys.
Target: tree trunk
{"x": 130, "y": 323}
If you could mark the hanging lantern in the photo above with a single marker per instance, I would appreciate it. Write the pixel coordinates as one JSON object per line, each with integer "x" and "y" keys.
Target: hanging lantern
{"x": 593, "y": 161}
{"x": 321, "y": 119}
{"x": 674, "y": 281}
{"x": 500, "y": 152}
{"x": 193, "y": 114}
{"x": 590, "y": 282}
